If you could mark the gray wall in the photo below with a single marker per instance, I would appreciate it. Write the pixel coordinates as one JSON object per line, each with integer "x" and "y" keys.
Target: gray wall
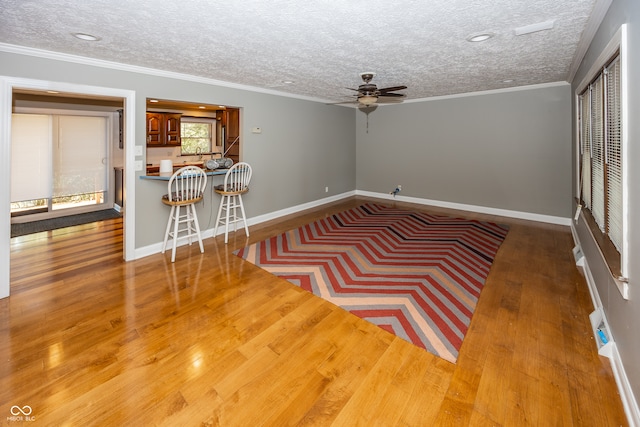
{"x": 507, "y": 150}
{"x": 304, "y": 146}
{"x": 623, "y": 316}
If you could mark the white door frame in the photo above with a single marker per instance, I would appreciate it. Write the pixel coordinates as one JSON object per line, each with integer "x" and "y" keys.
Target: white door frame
{"x": 7, "y": 84}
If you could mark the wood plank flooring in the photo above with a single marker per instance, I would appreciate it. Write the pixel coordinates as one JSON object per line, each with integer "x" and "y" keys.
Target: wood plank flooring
{"x": 87, "y": 339}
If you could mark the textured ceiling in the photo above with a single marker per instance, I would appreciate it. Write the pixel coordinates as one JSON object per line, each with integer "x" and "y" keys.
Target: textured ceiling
{"x": 320, "y": 46}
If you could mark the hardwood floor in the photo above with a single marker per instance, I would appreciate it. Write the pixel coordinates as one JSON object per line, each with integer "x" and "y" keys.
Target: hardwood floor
{"x": 87, "y": 339}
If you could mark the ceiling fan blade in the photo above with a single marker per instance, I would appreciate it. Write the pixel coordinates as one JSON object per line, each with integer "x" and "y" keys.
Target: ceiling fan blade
{"x": 390, "y": 100}
{"x": 369, "y": 94}
{"x": 391, "y": 89}
{"x": 343, "y": 102}
{"x": 393, "y": 94}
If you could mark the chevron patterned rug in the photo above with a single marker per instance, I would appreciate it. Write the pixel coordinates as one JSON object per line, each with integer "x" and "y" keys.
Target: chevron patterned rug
{"x": 414, "y": 274}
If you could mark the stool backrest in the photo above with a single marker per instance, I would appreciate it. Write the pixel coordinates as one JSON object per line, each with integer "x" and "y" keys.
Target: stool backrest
{"x": 237, "y": 178}
{"x": 187, "y": 184}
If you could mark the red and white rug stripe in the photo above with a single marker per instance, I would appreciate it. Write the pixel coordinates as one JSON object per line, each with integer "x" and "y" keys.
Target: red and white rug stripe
{"x": 414, "y": 274}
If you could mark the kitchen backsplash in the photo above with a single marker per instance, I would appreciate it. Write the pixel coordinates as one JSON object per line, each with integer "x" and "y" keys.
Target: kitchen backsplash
{"x": 155, "y": 154}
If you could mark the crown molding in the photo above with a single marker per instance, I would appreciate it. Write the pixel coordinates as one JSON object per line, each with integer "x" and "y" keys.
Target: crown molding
{"x": 595, "y": 19}
{"x": 46, "y": 54}
{"x": 488, "y": 92}
{"x": 76, "y": 59}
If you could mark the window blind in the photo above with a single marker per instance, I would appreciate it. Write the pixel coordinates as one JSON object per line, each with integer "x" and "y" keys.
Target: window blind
{"x": 613, "y": 153}
{"x": 585, "y": 148}
{"x": 30, "y": 157}
{"x": 601, "y": 148}
{"x": 79, "y": 157}
{"x": 597, "y": 153}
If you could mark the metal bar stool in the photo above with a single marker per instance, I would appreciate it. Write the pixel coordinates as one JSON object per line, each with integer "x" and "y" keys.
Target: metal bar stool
{"x": 236, "y": 183}
{"x": 186, "y": 188}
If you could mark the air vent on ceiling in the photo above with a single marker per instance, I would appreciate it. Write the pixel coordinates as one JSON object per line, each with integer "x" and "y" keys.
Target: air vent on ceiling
{"x": 534, "y": 28}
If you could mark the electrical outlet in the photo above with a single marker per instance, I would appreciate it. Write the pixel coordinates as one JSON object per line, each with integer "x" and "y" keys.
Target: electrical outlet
{"x": 326, "y": 189}
{"x": 399, "y": 187}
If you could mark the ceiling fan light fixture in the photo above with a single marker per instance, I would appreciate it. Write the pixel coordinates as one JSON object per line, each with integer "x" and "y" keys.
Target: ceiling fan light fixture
{"x": 367, "y": 99}
{"x": 367, "y": 76}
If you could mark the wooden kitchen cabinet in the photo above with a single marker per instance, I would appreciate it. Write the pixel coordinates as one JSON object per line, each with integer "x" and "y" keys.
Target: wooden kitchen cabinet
{"x": 154, "y": 129}
{"x": 231, "y": 121}
{"x": 163, "y": 129}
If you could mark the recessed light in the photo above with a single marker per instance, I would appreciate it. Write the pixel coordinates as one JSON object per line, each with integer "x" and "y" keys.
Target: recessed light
{"x": 479, "y": 37}
{"x": 288, "y": 82}
{"x": 86, "y": 37}
{"x": 153, "y": 100}
{"x": 52, "y": 91}
{"x": 202, "y": 107}
{"x": 508, "y": 81}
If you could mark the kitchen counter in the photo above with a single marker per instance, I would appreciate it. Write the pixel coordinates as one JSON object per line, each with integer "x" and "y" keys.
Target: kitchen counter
{"x": 156, "y": 168}
{"x": 165, "y": 176}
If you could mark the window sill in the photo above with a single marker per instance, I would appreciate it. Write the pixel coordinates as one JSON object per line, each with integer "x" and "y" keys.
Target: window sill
{"x": 609, "y": 253}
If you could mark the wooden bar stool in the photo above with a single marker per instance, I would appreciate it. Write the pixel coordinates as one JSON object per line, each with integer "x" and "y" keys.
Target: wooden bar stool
{"x": 236, "y": 183}
{"x": 186, "y": 188}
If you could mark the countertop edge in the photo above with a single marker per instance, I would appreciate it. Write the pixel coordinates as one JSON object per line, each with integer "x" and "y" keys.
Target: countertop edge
{"x": 166, "y": 177}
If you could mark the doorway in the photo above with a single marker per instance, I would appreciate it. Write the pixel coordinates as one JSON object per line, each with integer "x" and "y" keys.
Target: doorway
{"x": 7, "y": 87}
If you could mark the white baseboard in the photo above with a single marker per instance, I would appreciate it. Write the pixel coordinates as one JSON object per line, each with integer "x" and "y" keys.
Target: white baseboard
{"x": 157, "y": 247}
{"x": 624, "y": 387}
{"x": 298, "y": 208}
{"x": 471, "y": 208}
{"x": 610, "y": 350}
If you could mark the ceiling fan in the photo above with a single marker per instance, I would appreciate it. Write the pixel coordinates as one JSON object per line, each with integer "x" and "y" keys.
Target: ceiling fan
{"x": 369, "y": 94}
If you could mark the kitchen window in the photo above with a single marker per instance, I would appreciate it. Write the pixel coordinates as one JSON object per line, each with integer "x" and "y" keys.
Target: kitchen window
{"x": 197, "y": 135}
